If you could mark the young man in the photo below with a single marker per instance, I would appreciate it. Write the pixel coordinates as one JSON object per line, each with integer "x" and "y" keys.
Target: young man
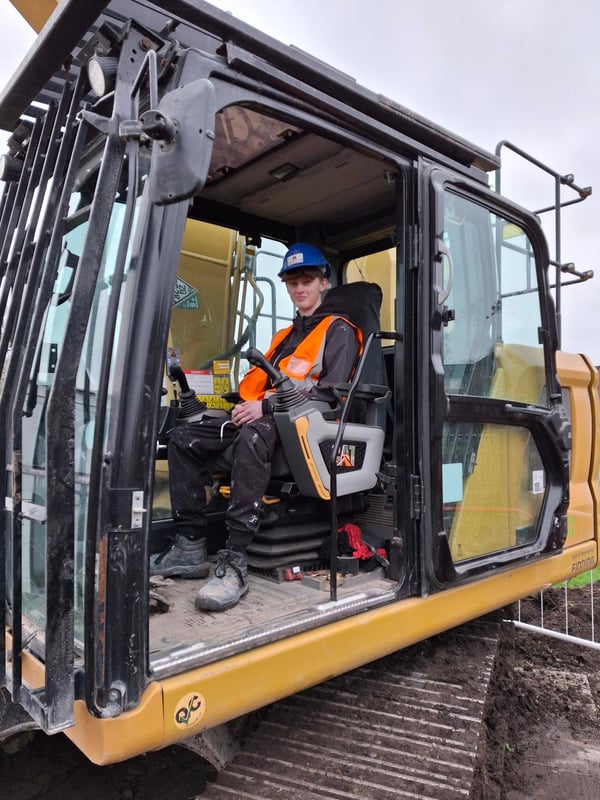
{"x": 317, "y": 351}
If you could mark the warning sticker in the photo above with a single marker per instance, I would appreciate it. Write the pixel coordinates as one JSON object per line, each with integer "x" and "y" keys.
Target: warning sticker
{"x": 185, "y": 296}
{"x": 222, "y": 367}
{"x": 200, "y": 380}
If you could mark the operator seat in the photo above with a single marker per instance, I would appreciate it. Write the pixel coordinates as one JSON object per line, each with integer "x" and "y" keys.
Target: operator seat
{"x": 308, "y": 430}
{"x": 360, "y": 303}
{"x": 293, "y": 533}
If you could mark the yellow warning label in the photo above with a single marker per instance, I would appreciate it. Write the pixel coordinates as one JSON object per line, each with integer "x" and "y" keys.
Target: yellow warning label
{"x": 221, "y": 384}
{"x": 222, "y": 367}
{"x": 214, "y": 401}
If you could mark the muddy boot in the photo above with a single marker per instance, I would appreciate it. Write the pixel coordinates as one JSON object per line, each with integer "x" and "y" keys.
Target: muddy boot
{"x": 229, "y": 584}
{"x": 184, "y": 558}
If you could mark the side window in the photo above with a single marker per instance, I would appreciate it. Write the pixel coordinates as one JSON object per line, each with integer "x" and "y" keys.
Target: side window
{"x": 266, "y": 306}
{"x": 43, "y": 375}
{"x": 227, "y": 298}
{"x": 490, "y": 346}
{"x": 378, "y": 268}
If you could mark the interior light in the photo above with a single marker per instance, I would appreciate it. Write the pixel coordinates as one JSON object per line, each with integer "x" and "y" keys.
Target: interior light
{"x": 19, "y": 139}
{"x": 101, "y": 72}
{"x": 284, "y": 172}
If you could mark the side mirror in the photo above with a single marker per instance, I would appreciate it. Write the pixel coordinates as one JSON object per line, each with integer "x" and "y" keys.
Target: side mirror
{"x": 180, "y": 160}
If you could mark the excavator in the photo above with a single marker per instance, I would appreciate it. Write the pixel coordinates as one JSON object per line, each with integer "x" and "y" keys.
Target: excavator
{"x": 162, "y": 157}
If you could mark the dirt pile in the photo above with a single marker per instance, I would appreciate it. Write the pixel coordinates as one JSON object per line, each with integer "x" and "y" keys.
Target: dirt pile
{"x": 543, "y": 726}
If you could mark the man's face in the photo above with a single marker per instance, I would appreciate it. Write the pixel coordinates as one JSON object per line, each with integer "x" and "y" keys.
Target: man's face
{"x": 305, "y": 292}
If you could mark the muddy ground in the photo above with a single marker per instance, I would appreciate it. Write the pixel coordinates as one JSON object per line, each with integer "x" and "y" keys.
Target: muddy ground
{"x": 543, "y": 724}
{"x": 542, "y": 737}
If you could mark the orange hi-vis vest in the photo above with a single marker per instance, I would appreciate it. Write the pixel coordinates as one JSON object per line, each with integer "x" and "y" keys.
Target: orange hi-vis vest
{"x": 303, "y": 366}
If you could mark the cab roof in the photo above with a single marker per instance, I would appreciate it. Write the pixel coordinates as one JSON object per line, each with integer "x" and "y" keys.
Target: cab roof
{"x": 42, "y": 73}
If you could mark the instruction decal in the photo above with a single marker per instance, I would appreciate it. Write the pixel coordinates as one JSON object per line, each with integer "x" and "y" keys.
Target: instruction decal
{"x": 185, "y": 296}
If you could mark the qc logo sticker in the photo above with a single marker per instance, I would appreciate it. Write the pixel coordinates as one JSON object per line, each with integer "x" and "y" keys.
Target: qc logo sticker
{"x": 189, "y": 710}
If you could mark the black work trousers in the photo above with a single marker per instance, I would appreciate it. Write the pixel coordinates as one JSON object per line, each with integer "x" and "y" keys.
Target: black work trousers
{"x": 198, "y": 450}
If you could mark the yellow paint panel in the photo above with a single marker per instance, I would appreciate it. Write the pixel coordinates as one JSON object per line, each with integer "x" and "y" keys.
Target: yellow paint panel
{"x": 381, "y": 269}
{"x": 106, "y": 741}
{"x": 580, "y": 379}
{"x": 36, "y": 12}
{"x": 523, "y": 373}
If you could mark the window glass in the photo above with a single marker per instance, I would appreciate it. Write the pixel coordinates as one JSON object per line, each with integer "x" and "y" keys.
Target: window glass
{"x": 42, "y": 377}
{"x": 493, "y": 488}
{"x": 227, "y": 298}
{"x": 490, "y": 342}
{"x": 378, "y": 268}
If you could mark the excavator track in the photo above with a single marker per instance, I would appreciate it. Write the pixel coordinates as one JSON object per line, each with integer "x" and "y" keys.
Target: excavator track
{"x": 406, "y": 726}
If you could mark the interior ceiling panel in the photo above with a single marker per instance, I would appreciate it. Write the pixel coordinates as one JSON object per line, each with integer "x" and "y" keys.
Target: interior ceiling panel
{"x": 331, "y": 191}
{"x": 329, "y": 184}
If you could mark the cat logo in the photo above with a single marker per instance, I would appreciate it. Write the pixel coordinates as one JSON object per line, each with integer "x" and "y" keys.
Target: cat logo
{"x": 346, "y": 457}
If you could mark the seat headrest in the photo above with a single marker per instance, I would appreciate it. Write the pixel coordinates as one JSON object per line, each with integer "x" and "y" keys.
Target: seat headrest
{"x": 359, "y": 302}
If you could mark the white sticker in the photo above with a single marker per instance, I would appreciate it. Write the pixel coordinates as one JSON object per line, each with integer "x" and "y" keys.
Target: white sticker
{"x": 537, "y": 481}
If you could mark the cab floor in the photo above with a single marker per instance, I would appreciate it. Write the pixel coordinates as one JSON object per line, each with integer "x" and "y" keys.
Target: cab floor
{"x": 176, "y": 623}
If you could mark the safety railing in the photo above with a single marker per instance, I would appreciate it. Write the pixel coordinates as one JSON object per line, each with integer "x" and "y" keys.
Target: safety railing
{"x": 562, "y": 623}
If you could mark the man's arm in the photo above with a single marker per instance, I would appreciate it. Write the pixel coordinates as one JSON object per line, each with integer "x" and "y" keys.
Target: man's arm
{"x": 339, "y": 360}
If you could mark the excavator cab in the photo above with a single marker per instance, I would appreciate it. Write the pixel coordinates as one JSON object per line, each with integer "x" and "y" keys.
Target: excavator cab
{"x": 150, "y": 191}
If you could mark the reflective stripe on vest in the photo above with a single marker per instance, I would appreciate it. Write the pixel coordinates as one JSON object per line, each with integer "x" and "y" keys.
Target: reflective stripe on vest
{"x": 303, "y": 366}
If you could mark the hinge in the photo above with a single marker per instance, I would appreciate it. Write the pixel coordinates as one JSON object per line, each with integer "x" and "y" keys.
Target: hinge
{"x": 416, "y": 502}
{"x": 137, "y": 510}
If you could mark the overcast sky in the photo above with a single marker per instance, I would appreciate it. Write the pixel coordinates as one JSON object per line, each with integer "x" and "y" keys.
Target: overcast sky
{"x": 523, "y": 70}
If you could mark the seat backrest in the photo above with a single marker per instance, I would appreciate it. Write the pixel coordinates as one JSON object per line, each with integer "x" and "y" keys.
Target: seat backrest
{"x": 360, "y": 303}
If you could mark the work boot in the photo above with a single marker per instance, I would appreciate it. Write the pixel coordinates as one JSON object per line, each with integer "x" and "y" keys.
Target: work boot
{"x": 184, "y": 558}
{"x": 229, "y": 584}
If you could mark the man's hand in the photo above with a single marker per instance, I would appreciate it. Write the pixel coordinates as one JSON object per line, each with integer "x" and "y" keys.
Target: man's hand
{"x": 247, "y": 411}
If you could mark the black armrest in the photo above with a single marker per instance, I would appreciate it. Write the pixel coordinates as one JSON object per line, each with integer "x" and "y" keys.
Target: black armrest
{"x": 373, "y": 392}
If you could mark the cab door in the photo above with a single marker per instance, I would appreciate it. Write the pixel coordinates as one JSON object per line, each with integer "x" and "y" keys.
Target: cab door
{"x": 496, "y": 438}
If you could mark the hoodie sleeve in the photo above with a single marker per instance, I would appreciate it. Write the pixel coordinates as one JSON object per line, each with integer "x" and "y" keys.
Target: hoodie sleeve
{"x": 339, "y": 360}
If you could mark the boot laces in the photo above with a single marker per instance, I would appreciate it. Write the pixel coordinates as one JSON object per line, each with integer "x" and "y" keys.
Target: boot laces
{"x": 224, "y": 561}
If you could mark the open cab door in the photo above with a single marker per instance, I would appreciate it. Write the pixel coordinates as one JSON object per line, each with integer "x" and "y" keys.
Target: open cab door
{"x": 497, "y": 438}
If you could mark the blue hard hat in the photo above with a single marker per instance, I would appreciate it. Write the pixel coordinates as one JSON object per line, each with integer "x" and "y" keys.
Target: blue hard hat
{"x": 304, "y": 256}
